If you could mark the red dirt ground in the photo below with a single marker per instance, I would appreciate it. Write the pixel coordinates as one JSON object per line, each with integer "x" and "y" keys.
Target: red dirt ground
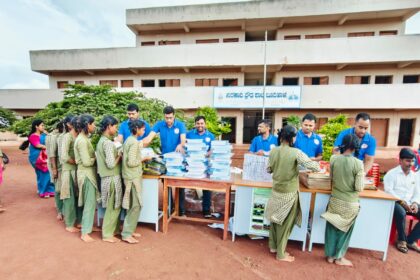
{"x": 33, "y": 245}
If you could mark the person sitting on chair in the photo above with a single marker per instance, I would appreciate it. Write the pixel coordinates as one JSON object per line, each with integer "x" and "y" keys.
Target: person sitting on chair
{"x": 404, "y": 184}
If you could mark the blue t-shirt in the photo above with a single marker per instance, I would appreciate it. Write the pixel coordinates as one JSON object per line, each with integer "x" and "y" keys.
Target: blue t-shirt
{"x": 311, "y": 146}
{"x": 124, "y": 130}
{"x": 367, "y": 144}
{"x": 258, "y": 143}
{"x": 170, "y": 137}
{"x": 207, "y": 136}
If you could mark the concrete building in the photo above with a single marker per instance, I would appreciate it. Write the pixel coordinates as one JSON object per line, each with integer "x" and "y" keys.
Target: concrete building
{"x": 336, "y": 56}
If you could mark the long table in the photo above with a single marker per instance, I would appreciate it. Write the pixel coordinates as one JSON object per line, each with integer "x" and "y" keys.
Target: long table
{"x": 189, "y": 183}
{"x": 371, "y": 230}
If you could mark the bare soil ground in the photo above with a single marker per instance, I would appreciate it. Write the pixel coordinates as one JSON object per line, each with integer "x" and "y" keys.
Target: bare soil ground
{"x": 34, "y": 245}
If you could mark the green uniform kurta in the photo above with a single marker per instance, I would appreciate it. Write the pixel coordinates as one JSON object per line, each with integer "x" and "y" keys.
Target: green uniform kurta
{"x": 111, "y": 187}
{"x": 283, "y": 208}
{"x": 86, "y": 180}
{"x": 51, "y": 143}
{"x": 347, "y": 181}
{"x": 132, "y": 175}
{"x": 69, "y": 192}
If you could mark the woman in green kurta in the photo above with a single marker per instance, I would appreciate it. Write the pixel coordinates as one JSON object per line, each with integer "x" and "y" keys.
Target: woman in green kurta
{"x": 86, "y": 174}
{"x": 68, "y": 189}
{"x": 132, "y": 174}
{"x": 347, "y": 182}
{"x": 109, "y": 169}
{"x": 283, "y": 208}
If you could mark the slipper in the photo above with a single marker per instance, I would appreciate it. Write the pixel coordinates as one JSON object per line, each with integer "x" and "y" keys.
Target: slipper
{"x": 414, "y": 246}
{"x": 402, "y": 247}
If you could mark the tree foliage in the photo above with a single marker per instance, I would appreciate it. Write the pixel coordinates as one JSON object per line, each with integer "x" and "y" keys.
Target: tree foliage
{"x": 7, "y": 118}
{"x": 293, "y": 120}
{"x": 329, "y": 133}
{"x": 214, "y": 123}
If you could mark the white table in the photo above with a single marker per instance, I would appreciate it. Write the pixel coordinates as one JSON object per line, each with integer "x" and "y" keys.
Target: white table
{"x": 372, "y": 227}
{"x": 150, "y": 195}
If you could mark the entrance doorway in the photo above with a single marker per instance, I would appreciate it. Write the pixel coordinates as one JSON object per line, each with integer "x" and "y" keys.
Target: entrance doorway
{"x": 405, "y": 136}
{"x": 231, "y": 136}
{"x": 251, "y": 119}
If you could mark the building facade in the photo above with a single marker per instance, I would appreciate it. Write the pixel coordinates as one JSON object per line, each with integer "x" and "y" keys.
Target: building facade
{"x": 345, "y": 57}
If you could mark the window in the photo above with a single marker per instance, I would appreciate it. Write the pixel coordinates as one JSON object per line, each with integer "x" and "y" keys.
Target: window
{"x": 127, "y": 83}
{"x": 230, "y": 40}
{"x": 113, "y": 83}
{"x": 166, "y": 42}
{"x": 383, "y": 79}
{"x": 318, "y": 36}
{"x": 230, "y": 82}
{"x": 62, "y": 84}
{"x": 147, "y": 83}
{"x": 150, "y": 43}
{"x": 206, "y": 82}
{"x": 361, "y": 80}
{"x": 292, "y": 37}
{"x": 388, "y": 32}
{"x": 79, "y": 82}
{"x": 411, "y": 79}
{"x": 170, "y": 83}
{"x": 206, "y": 41}
{"x": 315, "y": 80}
{"x": 360, "y": 34}
{"x": 290, "y": 81}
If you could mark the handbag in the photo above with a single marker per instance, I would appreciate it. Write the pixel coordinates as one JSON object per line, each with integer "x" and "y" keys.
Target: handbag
{"x": 5, "y": 159}
{"x": 41, "y": 161}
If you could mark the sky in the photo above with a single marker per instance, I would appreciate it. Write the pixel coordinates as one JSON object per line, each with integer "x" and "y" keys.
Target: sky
{"x": 72, "y": 24}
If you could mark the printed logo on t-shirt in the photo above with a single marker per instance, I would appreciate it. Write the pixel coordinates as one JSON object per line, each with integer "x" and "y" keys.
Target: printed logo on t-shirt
{"x": 316, "y": 141}
{"x": 364, "y": 146}
{"x": 272, "y": 146}
{"x": 207, "y": 139}
{"x": 176, "y": 130}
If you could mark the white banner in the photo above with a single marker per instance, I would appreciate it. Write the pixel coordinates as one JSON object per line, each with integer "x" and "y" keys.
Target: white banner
{"x": 252, "y": 97}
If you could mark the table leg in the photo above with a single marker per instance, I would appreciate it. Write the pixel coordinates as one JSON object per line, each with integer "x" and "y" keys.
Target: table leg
{"x": 227, "y": 208}
{"x": 176, "y": 202}
{"x": 165, "y": 208}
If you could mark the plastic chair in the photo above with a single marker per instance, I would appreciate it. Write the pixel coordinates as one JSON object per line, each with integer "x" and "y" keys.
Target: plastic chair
{"x": 393, "y": 235}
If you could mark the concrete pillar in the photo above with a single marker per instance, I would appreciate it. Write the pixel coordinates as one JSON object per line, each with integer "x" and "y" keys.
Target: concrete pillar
{"x": 393, "y": 129}
{"x": 239, "y": 127}
{"x": 416, "y": 136}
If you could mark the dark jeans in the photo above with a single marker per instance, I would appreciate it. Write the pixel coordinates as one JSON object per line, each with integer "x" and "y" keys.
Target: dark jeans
{"x": 400, "y": 221}
{"x": 206, "y": 200}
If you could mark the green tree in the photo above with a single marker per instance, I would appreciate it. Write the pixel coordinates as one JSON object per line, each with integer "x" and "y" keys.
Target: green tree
{"x": 329, "y": 133}
{"x": 293, "y": 120}
{"x": 213, "y": 122}
{"x": 7, "y": 118}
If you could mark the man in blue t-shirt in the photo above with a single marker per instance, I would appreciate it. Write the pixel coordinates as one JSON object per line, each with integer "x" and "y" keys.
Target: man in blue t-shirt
{"x": 307, "y": 140}
{"x": 264, "y": 142}
{"x": 172, "y": 139}
{"x": 367, "y": 147}
{"x": 124, "y": 130}
{"x": 200, "y": 132}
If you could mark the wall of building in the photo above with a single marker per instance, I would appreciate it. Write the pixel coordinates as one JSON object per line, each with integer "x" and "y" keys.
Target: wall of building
{"x": 337, "y": 31}
{"x": 190, "y": 37}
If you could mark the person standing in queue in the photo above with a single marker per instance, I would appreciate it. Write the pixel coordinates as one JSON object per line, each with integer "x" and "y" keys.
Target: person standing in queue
{"x": 283, "y": 207}
{"x": 307, "y": 140}
{"x": 200, "y": 132}
{"x": 86, "y": 174}
{"x": 347, "y": 178}
{"x": 367, "y": 147}
{"x": 172, "y": 134}
{"x": 124, "y": 129}
{"x": 264, "y": 142}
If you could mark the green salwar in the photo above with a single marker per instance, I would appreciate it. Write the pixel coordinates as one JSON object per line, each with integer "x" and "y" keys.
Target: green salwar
{"x": 111, "y": 222}
{"x": 72, "y": 213}
{"x": 132, "y": 216}
{"x": 89, "y": 206}
{"x": 336, "y": 241}
{"x": 279, "y": 234}
{"x": 58, "y": 201}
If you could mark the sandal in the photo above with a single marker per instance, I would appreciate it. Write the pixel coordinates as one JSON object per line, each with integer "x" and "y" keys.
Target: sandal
{"x": 414, "y": 246}
{"x": 402, "y": 247}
